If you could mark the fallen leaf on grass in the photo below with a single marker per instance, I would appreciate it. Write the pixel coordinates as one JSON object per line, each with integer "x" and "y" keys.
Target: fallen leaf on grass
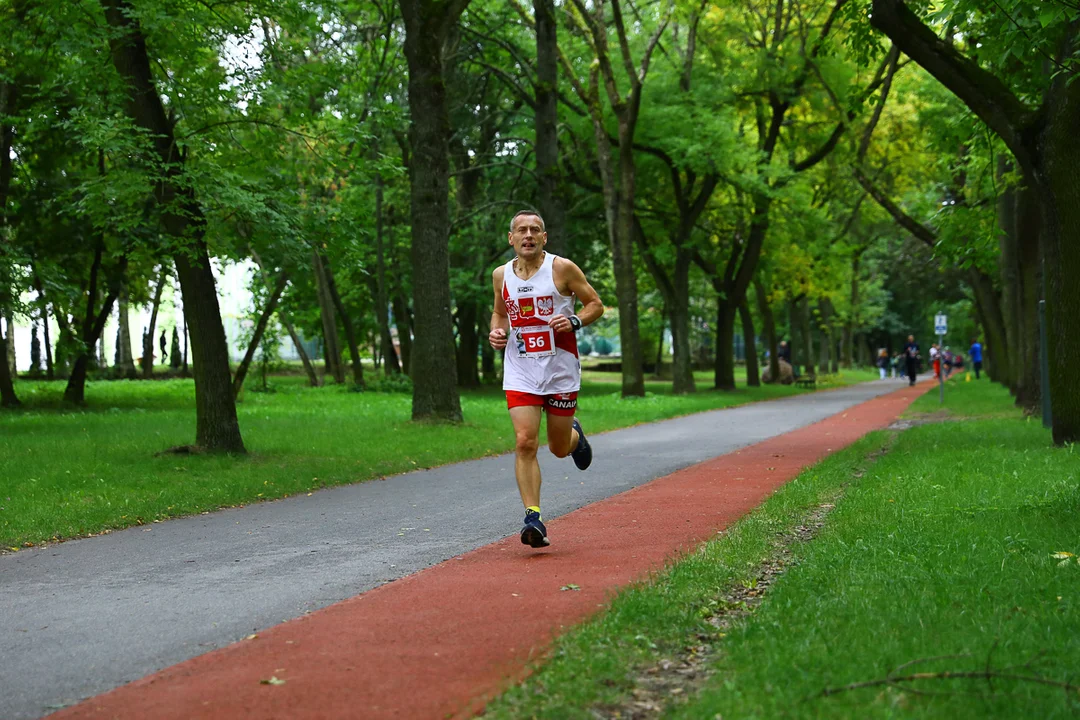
{"x": 272, "y": 680}
{"x": 570, "y": 587}
{"x": 1064, "y": 557}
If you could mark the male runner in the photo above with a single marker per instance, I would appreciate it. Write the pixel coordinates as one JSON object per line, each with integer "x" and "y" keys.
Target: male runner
{"x": 533, "y": 319}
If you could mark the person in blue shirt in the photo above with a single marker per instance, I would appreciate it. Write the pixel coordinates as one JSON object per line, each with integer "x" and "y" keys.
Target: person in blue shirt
{"x": 975, "y": 353}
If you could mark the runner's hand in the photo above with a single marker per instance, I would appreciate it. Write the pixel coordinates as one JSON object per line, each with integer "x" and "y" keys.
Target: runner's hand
{"x": 497, "y": 338}
{"x": 561, "y": 323}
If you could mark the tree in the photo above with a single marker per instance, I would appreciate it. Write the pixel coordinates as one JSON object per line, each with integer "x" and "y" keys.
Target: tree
{"x": 434, "y": 373}
{"x": 1042, "y": 139}
{"x": 216, "y": 428}
{"x": 618, "y": 175}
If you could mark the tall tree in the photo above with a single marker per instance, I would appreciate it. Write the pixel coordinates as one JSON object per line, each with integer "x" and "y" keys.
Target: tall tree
{"x": 216, "y": 425}
{"x": 1042, "y": 139}
{"x": 433, "y": 370}
{"x": 546, "y": 120}
{"x": 619, "y": 175}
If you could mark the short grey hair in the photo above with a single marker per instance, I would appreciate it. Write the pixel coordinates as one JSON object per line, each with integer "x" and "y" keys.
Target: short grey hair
{"x": 527, "y": 212}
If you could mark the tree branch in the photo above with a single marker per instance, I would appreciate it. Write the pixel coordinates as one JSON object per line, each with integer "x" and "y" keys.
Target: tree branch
{"x": 913, "y": 226}
{"x": 983, "y": 92}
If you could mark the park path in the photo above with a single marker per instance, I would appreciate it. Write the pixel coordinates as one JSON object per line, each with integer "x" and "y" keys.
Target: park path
{"x": 90, "y": 615}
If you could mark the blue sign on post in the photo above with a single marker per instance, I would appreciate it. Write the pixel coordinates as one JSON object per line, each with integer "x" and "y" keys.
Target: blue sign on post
{"x": 941, "y": 326}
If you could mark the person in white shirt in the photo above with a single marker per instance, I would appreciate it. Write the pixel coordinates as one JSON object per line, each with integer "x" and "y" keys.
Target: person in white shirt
{"x": 533, "y": 320}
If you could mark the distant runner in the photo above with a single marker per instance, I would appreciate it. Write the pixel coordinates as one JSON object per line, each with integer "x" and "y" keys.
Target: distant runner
{"x": 533, "y": 319}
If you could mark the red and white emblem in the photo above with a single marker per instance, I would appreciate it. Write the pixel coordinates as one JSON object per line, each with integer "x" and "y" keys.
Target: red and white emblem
{"x": 545, "y": 305}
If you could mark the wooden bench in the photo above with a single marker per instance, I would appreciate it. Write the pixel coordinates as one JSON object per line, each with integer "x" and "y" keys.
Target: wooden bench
{"x": 806, "y": 381}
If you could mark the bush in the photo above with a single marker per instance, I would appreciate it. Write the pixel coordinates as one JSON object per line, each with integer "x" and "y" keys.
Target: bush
{"x": 584, "y": 347}
{"x": 400, "y": 383}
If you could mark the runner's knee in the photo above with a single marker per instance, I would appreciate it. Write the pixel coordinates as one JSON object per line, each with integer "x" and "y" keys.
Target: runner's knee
{"x": 525, "y": 444}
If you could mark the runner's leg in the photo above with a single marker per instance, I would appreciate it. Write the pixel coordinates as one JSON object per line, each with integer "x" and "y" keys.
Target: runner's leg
{"x": 526, "y": 441}
{"x": 562, "y": 437}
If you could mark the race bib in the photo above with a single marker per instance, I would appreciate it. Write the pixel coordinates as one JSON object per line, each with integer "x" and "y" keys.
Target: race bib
{"x": 538, "y": 341}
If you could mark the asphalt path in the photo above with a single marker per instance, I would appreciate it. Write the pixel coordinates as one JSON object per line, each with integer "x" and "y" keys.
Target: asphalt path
{"x": 85, "y": 616}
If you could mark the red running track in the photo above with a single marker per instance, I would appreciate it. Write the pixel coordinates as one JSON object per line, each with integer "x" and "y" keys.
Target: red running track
{"x": 441, "y": 642}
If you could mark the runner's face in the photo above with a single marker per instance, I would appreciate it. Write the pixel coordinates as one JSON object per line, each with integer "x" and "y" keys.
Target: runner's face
{"x": 528, "y": 237}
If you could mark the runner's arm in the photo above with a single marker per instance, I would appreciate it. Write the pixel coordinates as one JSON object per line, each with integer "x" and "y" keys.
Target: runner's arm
{"x": 576, "y": 283}
{"x": 500, "y": 322}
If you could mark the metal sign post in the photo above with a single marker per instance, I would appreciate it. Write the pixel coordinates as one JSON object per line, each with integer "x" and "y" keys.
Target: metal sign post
{"x": 941, "y": 327}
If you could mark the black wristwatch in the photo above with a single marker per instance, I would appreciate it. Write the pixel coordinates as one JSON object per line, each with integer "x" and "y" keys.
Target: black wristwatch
{"x": 575, "y": 322}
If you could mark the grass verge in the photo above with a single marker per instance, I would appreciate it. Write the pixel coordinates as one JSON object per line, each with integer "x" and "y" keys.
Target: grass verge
{"x": 67, "y": 473}
{"x": 946, "y": 555}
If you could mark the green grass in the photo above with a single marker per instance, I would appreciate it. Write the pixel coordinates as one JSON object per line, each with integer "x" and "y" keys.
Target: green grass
{"x": 943, "y": 547}
{"x": 974, "y": 398}
{"x": 67, "y": 473}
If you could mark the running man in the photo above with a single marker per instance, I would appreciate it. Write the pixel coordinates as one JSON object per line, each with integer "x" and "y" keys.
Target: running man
{"x": 533, "y": 319}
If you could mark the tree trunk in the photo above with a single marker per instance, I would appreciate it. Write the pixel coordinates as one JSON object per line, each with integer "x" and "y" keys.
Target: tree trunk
{"x": 659, "y": 365}
{"x": 851, "y": 324}
{"x": 994, "y": 324}
{"x": 8, "y": 96}
{"x": 8, "y": 398}
{"x": 1060, "y": 196}
{"x": 260, "y": 329}
{"x": 724, "y": 372}
{"x": 125, "y": 363}
{"x": 468, "y": 345}
{"x": 43, "y": 303}
{"x": 545, "y": 119}
{"x": 9, "y": 318}
{"x": 770, "y": 330}
{"x": 1008, "y": 264}
{"x": 92, "y": 327}
{"x": 823, "y": 352}
{"x": 346, "y": 321}
{"x": 216, "y": 425}
{"x": 435, "y": 394}
{"x": 753, "y": 375}
{"x": 794, "y": 346}
{"x": 331, "y": 342}
{"x": 864, "y": 351}
{"x": 148, "y": 339}
{"x": 1030, "y": 267}
{"x": 187, "y": 340}
{"x": 391, "y": 366}
{"x": 313, "y": 377}
{"x": 682, "y": 363}
{"x": 403, "y": 322}
{"x": 807, "y": 336}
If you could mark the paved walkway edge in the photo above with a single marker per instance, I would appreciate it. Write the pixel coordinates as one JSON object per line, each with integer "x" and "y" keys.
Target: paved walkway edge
{"x": 441, "y": 642}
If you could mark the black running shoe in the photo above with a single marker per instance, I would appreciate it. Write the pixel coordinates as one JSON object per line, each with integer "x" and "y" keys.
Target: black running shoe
{"x": 582, "y": 454}
{"x": 534, "y": 534}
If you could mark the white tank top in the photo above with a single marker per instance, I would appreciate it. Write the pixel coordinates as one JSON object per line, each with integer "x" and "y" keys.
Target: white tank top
{"x": 538, "y": 360}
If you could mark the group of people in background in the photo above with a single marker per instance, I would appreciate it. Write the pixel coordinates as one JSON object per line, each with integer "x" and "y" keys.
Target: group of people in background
{"x": 908, "y": 362}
